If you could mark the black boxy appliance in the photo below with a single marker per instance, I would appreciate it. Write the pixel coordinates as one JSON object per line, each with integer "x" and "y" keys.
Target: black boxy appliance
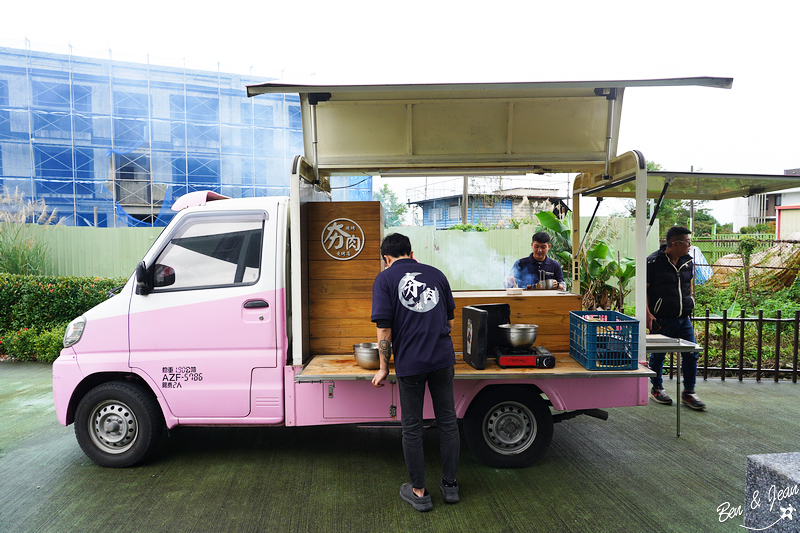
{"x": 480, "y": 332}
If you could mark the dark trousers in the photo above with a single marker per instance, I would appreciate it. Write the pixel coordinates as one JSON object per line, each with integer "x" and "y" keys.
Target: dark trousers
{"x": 412, "y": 395}
{"x": 678, "y": 328}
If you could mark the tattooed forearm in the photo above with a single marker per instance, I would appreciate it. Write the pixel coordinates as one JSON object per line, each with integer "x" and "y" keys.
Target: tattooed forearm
{"x": 385, "y": 350}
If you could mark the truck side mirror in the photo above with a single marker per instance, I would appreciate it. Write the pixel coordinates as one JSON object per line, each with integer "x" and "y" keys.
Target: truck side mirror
{"x": 144, "y": 283}
{"x": 163, "y": 276}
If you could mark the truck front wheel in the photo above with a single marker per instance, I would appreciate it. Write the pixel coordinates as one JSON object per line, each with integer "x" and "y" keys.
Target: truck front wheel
{"x": 118, "y": 424}
{"x": 508, "y": 427}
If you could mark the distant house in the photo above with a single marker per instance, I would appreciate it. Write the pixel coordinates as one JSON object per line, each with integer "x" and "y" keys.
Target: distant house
{"x": 498, "y": 209}
{"x": 764, "y": 208}
{"x": 788, "y": 223}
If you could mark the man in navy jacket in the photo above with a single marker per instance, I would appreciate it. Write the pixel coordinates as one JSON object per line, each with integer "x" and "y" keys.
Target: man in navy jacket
{"x": 670, "y": 302}
{"x": 413, "y": 308}
{"x": 537, "y": 266}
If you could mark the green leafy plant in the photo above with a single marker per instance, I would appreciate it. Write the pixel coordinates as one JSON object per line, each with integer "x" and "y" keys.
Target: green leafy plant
{"x": 49, "y": 343}
{"x": 604, "y": 280}
{"x": 20, "y": 251}
{"x": 516, "y": 223}
{"x": 34, "y": 344}
{"x": 21, "y": 344}
{"x": 34, "y": 311}
{"x": 469, "y": 227}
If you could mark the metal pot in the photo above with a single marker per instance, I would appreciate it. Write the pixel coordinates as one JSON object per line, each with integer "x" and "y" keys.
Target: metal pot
{"x": 366, "y": 355}
{"x": 518, "y": 335}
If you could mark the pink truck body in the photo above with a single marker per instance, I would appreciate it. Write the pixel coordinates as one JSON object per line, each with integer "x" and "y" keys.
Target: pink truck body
{"x": 202, "y": 333}
{"x": 209, "y": 359}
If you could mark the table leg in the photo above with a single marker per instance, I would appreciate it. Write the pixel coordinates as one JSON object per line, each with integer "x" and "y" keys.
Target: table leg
{"x": 678, "y": 399}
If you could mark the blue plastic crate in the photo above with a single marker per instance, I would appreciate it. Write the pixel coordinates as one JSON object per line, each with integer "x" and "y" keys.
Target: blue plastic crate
{"x": 604, "y": 340}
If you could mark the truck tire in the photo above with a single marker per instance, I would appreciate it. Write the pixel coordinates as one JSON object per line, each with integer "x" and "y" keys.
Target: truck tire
{"x": 508, "y": 426}
{"x": 118, "y": 424}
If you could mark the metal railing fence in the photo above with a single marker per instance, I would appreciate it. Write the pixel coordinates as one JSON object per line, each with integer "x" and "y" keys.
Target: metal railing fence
{"x": 774, "y": 351}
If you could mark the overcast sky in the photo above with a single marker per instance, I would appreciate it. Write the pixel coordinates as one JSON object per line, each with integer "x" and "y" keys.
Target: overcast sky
{"x": 754, "y": 127}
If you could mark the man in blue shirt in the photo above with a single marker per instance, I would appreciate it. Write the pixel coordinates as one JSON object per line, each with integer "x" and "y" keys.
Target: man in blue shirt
{"x": 413, "y": 308}
{"x": 537, "y": 266}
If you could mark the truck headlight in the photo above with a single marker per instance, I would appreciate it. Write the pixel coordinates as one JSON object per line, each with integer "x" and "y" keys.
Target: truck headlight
{"x": 74, "y": 331}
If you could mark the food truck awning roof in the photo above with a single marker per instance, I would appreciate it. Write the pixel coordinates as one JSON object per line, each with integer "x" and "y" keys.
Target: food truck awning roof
{"x": 506, "y": 88}
{"x": 465, "y": 128}
{"x": 696, "y": 185}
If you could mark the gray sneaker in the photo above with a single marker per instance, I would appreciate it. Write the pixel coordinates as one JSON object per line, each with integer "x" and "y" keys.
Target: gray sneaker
{"x": 420, "y": 504}
{"x": 449, "y": 494}
{"x": 692, "y": 400}
{"x": 660, "y": 396}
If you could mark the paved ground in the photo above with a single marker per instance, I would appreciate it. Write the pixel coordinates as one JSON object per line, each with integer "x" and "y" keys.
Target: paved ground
{"x": 630, "y": 473}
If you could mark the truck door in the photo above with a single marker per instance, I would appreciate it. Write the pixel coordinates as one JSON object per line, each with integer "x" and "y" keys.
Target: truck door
{"x": 208, "y": 321}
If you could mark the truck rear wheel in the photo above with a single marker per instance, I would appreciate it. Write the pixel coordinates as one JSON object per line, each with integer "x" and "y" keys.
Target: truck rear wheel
{"x": 508, "y": 427}
{"x": 118, "y": 424}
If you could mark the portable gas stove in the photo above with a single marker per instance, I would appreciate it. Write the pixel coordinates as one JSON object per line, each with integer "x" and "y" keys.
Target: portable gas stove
{"x": 534, "y": 356}
{"x": 482, "y": 340}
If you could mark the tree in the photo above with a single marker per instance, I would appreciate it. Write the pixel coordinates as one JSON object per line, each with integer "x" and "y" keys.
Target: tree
{"x": 393, "y": 210}
{"x": 674, "y": 212}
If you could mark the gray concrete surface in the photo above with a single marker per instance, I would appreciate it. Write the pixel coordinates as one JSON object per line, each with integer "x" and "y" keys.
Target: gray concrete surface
{"x": 630, "y": 473}
{"x": 771, "y": 488}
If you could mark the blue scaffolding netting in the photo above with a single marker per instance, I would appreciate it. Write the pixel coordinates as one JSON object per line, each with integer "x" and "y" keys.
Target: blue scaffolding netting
{"x": 110, "y": 143}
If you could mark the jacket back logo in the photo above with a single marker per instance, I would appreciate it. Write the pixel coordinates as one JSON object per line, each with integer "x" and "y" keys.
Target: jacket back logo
{"x": 416, "y": 295}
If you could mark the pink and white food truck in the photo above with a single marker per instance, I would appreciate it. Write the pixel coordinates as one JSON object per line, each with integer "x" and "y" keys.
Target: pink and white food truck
{"x": 215, "y": 327}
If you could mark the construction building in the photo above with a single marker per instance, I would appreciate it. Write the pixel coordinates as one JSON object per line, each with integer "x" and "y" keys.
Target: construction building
{"x": 111, "y": 143}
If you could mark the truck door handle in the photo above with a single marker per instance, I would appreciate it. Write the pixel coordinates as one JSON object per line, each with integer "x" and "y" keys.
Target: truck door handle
{"x": 253, "y": 304}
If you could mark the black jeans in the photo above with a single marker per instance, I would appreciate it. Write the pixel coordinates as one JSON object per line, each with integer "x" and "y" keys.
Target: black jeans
{"x": 412, "y": 395}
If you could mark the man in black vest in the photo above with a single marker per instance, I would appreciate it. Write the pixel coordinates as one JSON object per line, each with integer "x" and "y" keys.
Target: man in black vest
{"x": 670, "y": 302}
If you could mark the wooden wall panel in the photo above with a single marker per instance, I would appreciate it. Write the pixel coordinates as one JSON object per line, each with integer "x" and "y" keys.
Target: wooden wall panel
{"x": 340, "y": 291}
{"x": 328, "y": 270}
{"x": 368, "y": 215}
{"x": 338, "y": 288}
{"x": 344, "y": 327}
{"x": 352, "y": 308}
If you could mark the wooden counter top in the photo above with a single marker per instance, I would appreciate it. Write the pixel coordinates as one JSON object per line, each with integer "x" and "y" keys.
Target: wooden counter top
{"x": 501, "y": 293}
{"x": 344, "y": 367}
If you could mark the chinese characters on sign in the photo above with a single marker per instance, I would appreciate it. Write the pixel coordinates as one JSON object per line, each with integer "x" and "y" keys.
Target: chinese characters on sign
{"x": 416, "y": 295}
{"x": 342, "y": 239}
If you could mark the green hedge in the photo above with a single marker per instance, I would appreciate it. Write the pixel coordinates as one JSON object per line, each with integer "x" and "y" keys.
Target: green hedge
{"x": 35, "y": 311}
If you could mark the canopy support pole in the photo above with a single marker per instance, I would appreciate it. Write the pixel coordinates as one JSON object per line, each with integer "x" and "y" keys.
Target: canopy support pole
{"x": 589, "y": 225}
{"x": 611, "y": 97}
{"x": 641, "y": 251}
{"x": 313, "y": 100}
{"x": 667, "y": 182}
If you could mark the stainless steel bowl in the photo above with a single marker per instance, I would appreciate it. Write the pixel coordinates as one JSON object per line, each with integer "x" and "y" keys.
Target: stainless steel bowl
{"x": 518, "y": 335}
{"x": 366, "y": 355}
